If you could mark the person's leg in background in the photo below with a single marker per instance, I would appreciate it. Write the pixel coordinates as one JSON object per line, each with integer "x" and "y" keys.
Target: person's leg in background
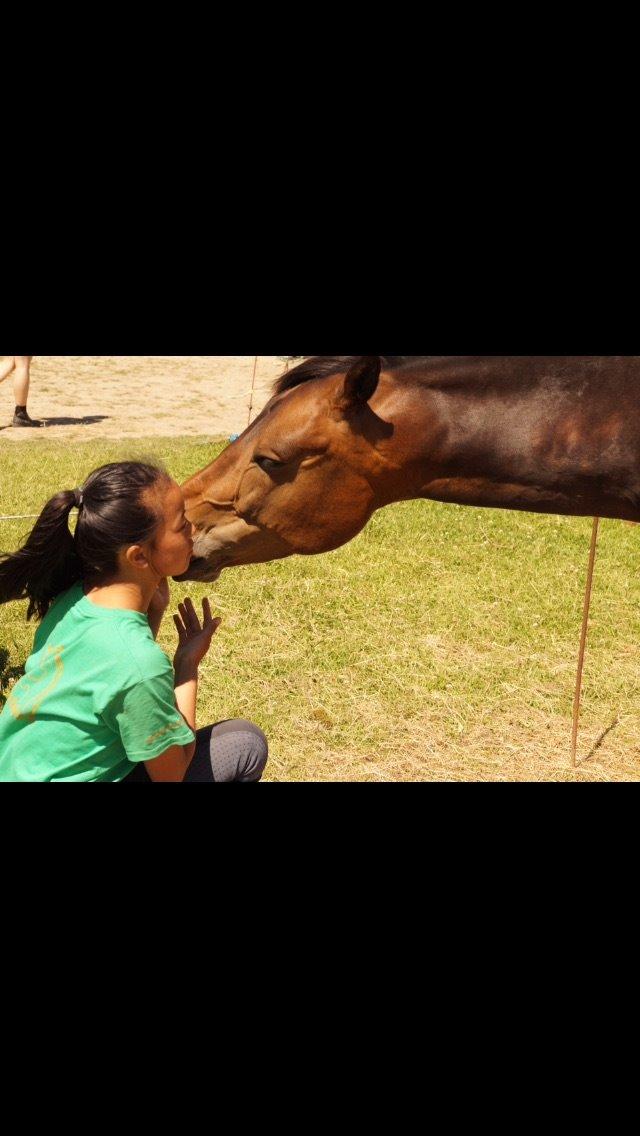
{"x": 21, "y": 380}
{"x": 6, "y": 367}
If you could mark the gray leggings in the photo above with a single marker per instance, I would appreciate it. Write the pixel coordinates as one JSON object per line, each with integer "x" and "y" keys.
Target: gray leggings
{"x": 234, "y": 750}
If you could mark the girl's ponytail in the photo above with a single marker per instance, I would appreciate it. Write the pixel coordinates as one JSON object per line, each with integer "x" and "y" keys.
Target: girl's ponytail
{"x": 48, "y": 563}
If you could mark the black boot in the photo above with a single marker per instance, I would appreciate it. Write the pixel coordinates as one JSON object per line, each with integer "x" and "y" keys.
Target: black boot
{"x": 21, "y": 418}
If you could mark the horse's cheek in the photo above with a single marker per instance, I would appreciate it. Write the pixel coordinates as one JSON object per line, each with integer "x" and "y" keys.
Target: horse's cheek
{"x": 320, "y": 520}
{"x": 253, "y": 496}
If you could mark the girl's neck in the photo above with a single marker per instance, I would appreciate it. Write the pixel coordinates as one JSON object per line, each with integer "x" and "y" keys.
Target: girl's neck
{"x": 128, "y": 595}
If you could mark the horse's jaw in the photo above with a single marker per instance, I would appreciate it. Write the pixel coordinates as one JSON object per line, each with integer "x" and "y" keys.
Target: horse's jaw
{"x": 199, "y": 571}
{"x": 231, "y": 543}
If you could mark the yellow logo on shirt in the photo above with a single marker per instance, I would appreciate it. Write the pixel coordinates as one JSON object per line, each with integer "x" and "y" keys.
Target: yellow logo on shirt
{"x": 29, "y": 693}
{"x": 165, "y": 730}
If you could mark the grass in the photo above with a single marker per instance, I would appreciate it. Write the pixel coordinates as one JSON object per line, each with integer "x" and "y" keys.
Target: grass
{"x": 439, "y": 645}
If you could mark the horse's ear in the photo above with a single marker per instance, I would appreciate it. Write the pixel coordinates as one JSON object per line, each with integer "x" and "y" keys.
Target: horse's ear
{"x": 361, "y": 381}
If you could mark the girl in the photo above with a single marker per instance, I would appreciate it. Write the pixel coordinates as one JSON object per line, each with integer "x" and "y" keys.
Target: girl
{"x": 99, "y": 700}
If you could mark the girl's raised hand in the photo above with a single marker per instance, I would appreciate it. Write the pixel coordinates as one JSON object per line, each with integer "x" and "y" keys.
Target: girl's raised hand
{"x": 194, "y": 638}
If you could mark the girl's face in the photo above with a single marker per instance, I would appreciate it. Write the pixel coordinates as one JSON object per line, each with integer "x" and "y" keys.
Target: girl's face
{"x": 169, "y": 553}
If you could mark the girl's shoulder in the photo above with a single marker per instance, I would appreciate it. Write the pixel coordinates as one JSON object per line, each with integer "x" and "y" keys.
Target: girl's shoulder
{"x": 58, "y": 609}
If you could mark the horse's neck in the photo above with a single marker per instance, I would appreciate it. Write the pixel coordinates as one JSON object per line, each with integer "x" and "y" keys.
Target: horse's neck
{"x": 550, "y": 436}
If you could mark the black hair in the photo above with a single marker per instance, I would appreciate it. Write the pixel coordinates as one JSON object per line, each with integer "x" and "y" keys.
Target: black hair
{"x": 111, "y": 515}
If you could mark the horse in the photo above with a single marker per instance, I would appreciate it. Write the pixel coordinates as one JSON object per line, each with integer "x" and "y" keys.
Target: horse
{"x": 343, "y": 436}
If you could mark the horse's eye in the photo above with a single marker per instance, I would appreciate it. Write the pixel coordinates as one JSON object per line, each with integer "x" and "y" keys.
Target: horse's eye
{"x": 268, "y": 464}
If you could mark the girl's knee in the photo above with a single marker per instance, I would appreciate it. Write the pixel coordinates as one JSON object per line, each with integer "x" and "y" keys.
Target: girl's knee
{"x": 256, "y": 747}
{"x": 239, "y": 751}
{"x": 262, "y": 751}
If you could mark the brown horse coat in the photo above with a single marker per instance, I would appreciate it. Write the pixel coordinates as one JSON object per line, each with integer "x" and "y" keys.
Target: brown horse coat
{"x": 346, "y": 435}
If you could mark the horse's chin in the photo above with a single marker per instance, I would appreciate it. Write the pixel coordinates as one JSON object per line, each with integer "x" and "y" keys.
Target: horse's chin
{"x": 200, "y": 571}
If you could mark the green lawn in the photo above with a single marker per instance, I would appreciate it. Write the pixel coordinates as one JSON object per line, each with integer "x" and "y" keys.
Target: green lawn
{"x": 441, "y": 644}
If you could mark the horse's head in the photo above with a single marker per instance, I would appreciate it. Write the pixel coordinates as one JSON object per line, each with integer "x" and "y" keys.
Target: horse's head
{"x": 301, "y": 479}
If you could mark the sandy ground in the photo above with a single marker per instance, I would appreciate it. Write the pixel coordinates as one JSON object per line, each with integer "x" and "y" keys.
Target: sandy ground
{"x": 134, "y": 396}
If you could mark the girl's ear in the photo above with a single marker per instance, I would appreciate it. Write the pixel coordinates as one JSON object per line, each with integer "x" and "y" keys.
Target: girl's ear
{"x": 135, "y": 557}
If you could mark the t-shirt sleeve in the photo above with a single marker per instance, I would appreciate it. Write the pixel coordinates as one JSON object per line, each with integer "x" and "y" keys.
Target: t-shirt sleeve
{"x": 147, "y": 719}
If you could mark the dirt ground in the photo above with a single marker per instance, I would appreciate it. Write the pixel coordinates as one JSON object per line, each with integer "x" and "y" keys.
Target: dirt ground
{"x": 134, "y": 396}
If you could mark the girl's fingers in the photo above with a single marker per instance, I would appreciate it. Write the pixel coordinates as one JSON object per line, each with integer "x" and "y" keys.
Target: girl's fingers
{"x": 189, "y": 617}
{"x": 206, "y": 636}
{"x": 192, "y": 619}
{"x": 209, "y": 630}
{"x": 190, "y": 622}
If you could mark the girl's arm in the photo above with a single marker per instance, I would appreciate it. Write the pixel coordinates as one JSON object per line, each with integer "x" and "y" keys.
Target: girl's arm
{"x": 186, "y": 692}
{"x": 194, "y": 642}
{"x": 172, "y": 764}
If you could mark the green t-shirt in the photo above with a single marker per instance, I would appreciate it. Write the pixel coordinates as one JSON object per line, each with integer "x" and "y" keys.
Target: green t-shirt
{"x": 97, "y": 696}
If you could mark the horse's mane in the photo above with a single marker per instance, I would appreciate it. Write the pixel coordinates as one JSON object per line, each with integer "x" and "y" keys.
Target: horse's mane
{"x": 321, "y": 366}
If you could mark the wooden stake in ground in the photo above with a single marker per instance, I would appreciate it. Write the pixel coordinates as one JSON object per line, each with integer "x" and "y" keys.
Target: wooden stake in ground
{"x": 583, "y": 639}
{"x": 253, "y": 385}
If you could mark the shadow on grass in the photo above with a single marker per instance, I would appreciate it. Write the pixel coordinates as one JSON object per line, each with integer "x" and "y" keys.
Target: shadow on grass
{"x": 88, "y": 420}
{"x": 597, "y": 744}
{"x": 8, "y": 675}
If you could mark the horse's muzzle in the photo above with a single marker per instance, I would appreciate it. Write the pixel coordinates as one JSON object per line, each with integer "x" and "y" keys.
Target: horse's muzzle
{"x": 200, "y": 571}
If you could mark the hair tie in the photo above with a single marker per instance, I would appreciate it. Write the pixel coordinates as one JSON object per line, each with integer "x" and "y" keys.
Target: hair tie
{"x": 79, "y": 499}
